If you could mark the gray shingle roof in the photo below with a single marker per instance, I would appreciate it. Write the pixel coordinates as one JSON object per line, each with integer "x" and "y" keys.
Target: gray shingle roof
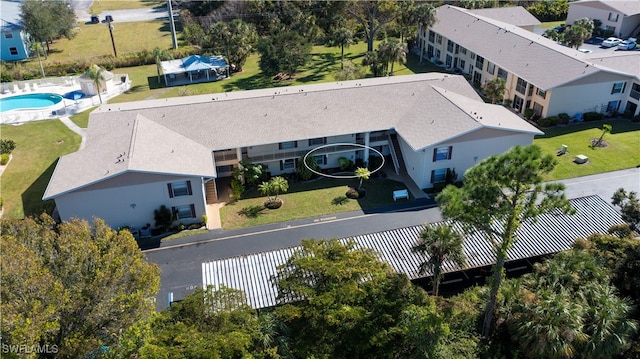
{"x": 626, "y": 7}
{"x": 552, "y": 233}
{"x": 536, "y": 59}
{"x": 514, "y": 15}
{"x": 424, "y": 109}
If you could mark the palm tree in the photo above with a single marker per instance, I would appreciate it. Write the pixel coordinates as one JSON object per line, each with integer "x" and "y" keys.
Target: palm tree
{"x": 393, "y": 51}
{"x": 95, "y": 74}
{"x": 375, "y": 63}
{"x": 495, "y": 89}
{"x": 159, "y": 55}
{"x": 220, "y": 37}
{"x": 344, "y": 38}
{"x": 37, "y": 47}
{"x": 274, "y": 187}
{"x": 440, "y": 243}
{"x": 606, "y": 128}
{"x": 425, "y": 16}
{"x": 362, "y": 174}
{"x": 243, "y": 38}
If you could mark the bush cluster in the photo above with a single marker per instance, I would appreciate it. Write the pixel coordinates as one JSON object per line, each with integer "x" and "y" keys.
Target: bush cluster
{"x": 352, "y": 193}
{"x": 549, "y": 121}
{"x": 14, "y": 71}
{"x": 564, "y": 118}
{"x": 7, "y": 146}
{"x": 4, "y": 159}
{"x": 592, "y": 116}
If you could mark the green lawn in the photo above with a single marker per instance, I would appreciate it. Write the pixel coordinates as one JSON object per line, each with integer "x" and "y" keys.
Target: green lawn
{"x": 38, "y": 146}
{"x": 623, "y": 150}
{"x": 82, "y": 119}
{"x": 312, "y": 199}
{"x": 551, "y": 24}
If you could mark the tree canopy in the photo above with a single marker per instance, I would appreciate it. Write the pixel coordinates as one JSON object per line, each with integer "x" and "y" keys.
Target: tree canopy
{"x": 74, "y": 286}
{"x": 46, "y": 21}
{"x": 499, "y": 194}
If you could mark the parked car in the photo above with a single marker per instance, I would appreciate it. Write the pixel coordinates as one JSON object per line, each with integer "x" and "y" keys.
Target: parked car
{"x": 628, "y": 44}
{"x": 585, "y": 51}
{"x": 95, "y": 19}
{"x": 611, "y": 42}
{"x": 108, "y": 18}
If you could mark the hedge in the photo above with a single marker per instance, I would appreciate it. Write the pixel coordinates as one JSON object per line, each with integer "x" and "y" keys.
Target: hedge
{"x": 592, "y": 116}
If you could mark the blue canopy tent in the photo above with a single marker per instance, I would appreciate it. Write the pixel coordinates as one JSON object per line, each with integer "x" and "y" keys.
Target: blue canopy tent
{"x": 194, "y": 69}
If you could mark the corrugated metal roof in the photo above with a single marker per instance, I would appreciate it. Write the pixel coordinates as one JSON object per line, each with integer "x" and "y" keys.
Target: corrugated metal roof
{"x": 551, "y": 233}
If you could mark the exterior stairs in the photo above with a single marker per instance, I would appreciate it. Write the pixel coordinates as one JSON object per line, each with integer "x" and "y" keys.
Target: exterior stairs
{"x": 210, "y": 191}
{"x": 396, "y": 154}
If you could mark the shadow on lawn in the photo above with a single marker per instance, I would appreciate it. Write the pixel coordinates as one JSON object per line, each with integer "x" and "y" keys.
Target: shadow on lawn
{"x": 32, "y": 203}
{"x": 618, "y": 125}
{"x": 252, "y": 82}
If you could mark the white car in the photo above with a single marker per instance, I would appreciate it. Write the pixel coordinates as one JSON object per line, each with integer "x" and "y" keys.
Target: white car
{"x": 585, "y": 51}
{"x": 629, "y": 44}
{"x": 611, "y": 42}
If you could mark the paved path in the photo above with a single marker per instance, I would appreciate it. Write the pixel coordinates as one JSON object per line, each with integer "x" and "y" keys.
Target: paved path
{"x": 75, "y": 128}
{"x": 181, "y": 260}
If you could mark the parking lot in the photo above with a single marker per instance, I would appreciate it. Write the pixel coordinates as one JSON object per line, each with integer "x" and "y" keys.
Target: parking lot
{"x": 593, "y": 44}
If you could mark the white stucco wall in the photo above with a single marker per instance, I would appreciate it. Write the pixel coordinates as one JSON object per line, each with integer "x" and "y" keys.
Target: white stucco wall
{"x": 585, "y": 98}
{"x": 116, "y": 204}
{"x": 466, "y": 152}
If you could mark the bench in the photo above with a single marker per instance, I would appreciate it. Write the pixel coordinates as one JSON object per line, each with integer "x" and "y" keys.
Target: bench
{"x": 403, "y": 193}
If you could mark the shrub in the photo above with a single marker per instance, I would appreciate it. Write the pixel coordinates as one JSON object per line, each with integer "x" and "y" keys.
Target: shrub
{"x": 564, "y": 118}
{"x": 7, "y": 146}
{"x": 528, "y": 113}
{"x": 628, "y": 114}
{"x": 545, "y": 122}
{"x": 163, "y": 217}
{"x": 345, "y": 163}
{"x": 237, "y": 189}
{"x": 273, "y": 204}
{"x": 352, "y": 193}
{"x": 636, "y": 118}
{"x": 4, "y": 159}
{"x": 592, "y": 116}
{"x": 555, "y": 120}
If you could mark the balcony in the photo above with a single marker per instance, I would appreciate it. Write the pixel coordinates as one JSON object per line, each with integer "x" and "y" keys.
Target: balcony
{"x": 282, "y": 155}
{"x": 226, "y": 155}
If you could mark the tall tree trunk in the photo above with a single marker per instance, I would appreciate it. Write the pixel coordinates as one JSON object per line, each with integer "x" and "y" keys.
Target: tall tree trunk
{"x": 342, "y": 58}
{"x": 421, "y": 38}
{"x": 436, "y": 281}
{"x": 495, "y": 286}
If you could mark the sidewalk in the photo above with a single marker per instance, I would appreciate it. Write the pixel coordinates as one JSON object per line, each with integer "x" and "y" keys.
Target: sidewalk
{"x": 75, "y": 128}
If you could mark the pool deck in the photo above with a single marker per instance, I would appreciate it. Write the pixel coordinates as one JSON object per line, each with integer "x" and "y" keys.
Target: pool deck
{"x": 60, "y": 86}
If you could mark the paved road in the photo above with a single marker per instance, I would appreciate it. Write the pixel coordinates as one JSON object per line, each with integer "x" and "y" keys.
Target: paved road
{"x": 181, "y": 260}
{"x": 81, "y": 8}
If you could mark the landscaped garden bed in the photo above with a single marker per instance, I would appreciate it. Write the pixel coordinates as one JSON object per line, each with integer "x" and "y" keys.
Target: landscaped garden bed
{"x": 308, "y": 199}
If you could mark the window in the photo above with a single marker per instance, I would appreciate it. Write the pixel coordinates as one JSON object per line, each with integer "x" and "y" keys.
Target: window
{"x": 432, "y": 36}
{"x": 439, "y": 38}
{"x": 491, "y": 68}
{"x": 8, "y": 35}
{"x": 450, "y": 46}
{"x": 13, "y": 50}
{"x": 618, "y": 87}
{"x": 537, "y": 109}
{"x": 635, "y": 91}
{"x": 184, "y": 212}
{"x": 317, "y": 141}
{"x": 439, "y": 175}
{"x": 287, "y": 145}
{"x": 438, "y": 54}
{"x": 224, "y": 169}
{"x": 442, "y": 153}
{"x": 612, "y": 106}
{"x": 177, "y": 189}
{"x": 477, "y": 77}
{"x": 463, "y": 50}
{"x": 541, "y": 93}
{"x": 479, "y": 62}
{"x": 521, "y": 86}
{"x": 321, "y": 160}
{"x": 462, "y": 64}
{"x": 288, "y": 164}
{"x": 613, "y": 17}
{"x": 502, "y": 74}
{"x": 448, "y": 61}
{"x": 430, "y": 51}
{"x": 610, "y": 28}
{"x": 473, "y": 56}
{"x": 517, "y": 103}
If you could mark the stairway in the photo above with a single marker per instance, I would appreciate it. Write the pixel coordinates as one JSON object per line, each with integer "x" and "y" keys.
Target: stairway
{"x": 210, "y": 191}
{"x": 397, "y": 155}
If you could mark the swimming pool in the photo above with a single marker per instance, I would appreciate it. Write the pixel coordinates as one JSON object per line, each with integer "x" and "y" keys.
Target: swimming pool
{"x": 29, "y": 101}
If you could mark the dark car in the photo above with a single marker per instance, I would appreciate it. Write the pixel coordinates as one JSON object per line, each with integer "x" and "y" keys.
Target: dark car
{"x": 95, "y": 19}
{"x": 108, "y": 18}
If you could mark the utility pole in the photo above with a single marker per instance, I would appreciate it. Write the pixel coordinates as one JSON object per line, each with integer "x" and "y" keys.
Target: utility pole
{"x": 174, "y": 39}
{"x": 115, "y": 53}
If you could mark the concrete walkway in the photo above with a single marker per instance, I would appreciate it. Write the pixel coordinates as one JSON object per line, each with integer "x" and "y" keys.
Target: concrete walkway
{"x": 416, "y": 192}
{"x": 75, "y": 128}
